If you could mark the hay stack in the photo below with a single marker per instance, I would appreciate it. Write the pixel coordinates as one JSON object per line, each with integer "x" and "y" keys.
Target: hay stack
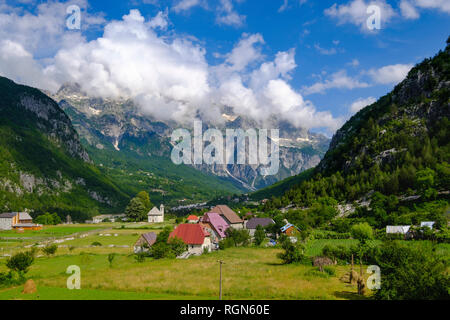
{"x": 30, "y": 287}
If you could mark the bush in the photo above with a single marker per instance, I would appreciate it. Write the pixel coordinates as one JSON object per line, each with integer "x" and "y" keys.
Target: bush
{"x": 140, "y": 257}
{"x": 260, "y": 235}
{"x": 50, "y": 249}
{"x": 362, "y": 232}
{"x": 239, "y": 237}
{"x": 411, "y": 273}
{"x": 20, "y": 262}
{"x": 293, "y": 252}
{"x": 330, "y": 271}
{"x": 226, "y": 243}
{"x": 339, "y": 253}
{"x": 96, "y": 244}
{"x": 111, "y": 258}
{"x": 11, "y": 278}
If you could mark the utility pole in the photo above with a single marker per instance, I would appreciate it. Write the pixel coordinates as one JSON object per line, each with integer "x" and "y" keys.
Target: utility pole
{"x": 220, "y": 281}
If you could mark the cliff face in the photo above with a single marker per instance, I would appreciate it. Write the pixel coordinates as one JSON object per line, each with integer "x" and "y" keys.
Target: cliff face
{"x": 42, "y": 162}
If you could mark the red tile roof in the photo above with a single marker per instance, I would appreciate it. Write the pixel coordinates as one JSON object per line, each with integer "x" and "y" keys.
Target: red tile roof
{"x": 192, "y": 217}
{"x": 190, "y": 233}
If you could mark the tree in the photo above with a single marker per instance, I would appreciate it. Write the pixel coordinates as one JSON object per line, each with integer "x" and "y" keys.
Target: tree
{"x": 411, "y": 273}
{"x": 260, "y": 235}
{"x": 239, "y": 237}
{"x": 111, "y": 257}
{"x": 21, "y": 262}
{"x": 293, "y": 252}
{"x": 362, "y": 232}
{"x": 136, "y": 210}
{"x": 425, "y": 180}
{"x": 145, "y": 198}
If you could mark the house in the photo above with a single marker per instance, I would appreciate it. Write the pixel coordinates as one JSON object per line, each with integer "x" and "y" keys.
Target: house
{"x": 156, "y": 215}
{"x": 428, "y": 224}
{"x": 289, "y": 229}
{"x": 192, "y": 218}
{"x": 397, "y": 229}
{"x": 18, "y": 220}
{"x": 254, "y": 222}
{"x": 145, "y": 241}
{"x": 229, "y": 216}
{"x": 217, "y": 224}
{"x": 194, "y": 235}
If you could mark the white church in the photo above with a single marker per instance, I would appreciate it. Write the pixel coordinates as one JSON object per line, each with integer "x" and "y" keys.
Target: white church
{"x": 156, "y": 215}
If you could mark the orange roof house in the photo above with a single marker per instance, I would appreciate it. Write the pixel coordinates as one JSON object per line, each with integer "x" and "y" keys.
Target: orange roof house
{"x": 194, "y": 235}
{"x": 192, "y": 218}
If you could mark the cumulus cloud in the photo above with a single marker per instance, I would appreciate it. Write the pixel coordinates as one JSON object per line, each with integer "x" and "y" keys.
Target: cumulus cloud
{"x": 227, "y": 16}
{"x": 408, "y": 10}
{"x": 45, "y": 32}
{"x": 390, "y": 74}
{"x": 442, "y": 5}
{"x": 168, "y": 75}
{"x": 361, "y": 103}
{"x": 339, "y": 80}
{"x": 185, "y": 5}
{"x": 355, "y": 12}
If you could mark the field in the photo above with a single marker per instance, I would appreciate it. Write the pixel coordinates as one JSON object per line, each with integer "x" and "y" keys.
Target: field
{"x": 248, "y": 273}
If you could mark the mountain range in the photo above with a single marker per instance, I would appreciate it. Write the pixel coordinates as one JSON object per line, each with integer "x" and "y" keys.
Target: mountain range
{"x": 118, "y": 126}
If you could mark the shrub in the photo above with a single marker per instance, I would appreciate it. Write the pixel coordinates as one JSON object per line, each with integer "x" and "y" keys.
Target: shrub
{"x": 11, "y": 278}
{"x": 362, "y": 232}
{"x": 20, "y": 262}
{"x": 50, "y": 249}
{"x": 411, "y": 273}
{"x": 96, "y": 244}
{"x": 330, "y": 271}
{"x": 260, "y": 235}
{"x": 239, "y": 237}
{"x": 111, "y": 258}
{"x": 293, "y": 252}
{"x": 140, "y": 257}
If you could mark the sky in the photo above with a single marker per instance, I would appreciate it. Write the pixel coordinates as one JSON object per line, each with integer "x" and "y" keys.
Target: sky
{"x": 310, "y": 63}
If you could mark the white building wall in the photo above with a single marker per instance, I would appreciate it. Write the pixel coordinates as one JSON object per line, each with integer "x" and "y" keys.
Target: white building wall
{"x": 198, "y": 249}
{"x": 6, "y": 223}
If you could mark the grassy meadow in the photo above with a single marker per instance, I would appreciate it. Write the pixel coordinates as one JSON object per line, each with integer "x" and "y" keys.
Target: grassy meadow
{"x": 248, "y": 272}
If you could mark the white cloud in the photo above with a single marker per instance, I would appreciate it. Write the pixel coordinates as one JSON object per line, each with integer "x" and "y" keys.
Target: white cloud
{"x": 355, "y": 12}
{"x": 18, "y": 64}
{"x": 442, "y": 5}
{"x": 390, "y": 74}
{"x": 168, "y": 75}
{"x": 227, "y": 16}
{"x": 45, "y": 32}
{"x": 339, "y": 80}
{"x": 408, "y": 10}
{"x": 161, "y": 20}
{"x": 185, "y": 5}
{"x": 361, "y": 103}
{"x": 354, "y": 63}
{"x": 245, "y": 52}
{"x": 283, "y": 6}
{"x": 324, "y": 51}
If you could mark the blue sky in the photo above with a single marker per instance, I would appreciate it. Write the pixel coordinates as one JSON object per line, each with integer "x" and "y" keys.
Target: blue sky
{"x": 340, "y": 65}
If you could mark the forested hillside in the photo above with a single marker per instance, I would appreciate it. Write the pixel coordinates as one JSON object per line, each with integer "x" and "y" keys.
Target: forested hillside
{"x": 43, "y": 166}
{"x": 396, "y": 148}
